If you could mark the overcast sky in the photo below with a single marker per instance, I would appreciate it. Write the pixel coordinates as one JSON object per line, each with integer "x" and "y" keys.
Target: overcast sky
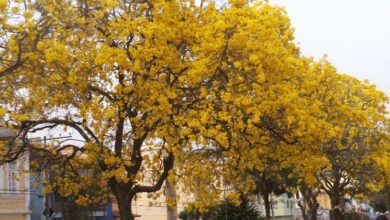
{"x": 354, "y": 33}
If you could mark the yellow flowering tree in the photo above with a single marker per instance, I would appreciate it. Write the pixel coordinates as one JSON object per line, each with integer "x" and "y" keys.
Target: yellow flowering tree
{"x": 119, "y": 74}
{"x": 152, "y": 85}
{"x": 352, "y": 114}
{"x": 140, "y": 83}
{"x": 382, "y": 187}
{"x": 254, "y": 118}
{"x": 143, "y": 83}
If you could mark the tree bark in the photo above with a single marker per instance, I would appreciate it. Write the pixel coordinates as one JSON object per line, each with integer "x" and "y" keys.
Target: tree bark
{"x": 312, "y": 204}
{"x": 123, "y": 198}
{"x": 313, "y": 213}
{"x": 125, "y": 211}
{"x": 335, "y": 213}
{"x": 302, "y": 207}
{"x": 170, "y": 195}
{"x": 267, "y": 206}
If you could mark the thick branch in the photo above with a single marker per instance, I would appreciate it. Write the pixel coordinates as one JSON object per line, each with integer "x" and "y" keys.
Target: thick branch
{"x": 168, "y": 165}
{"x": 119, "y": 136}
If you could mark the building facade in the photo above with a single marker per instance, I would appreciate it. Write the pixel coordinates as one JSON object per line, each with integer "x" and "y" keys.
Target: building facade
{"x": 282, "y": 207}
{"x": 14, "y": 185}
{"x": 56, "y": 207}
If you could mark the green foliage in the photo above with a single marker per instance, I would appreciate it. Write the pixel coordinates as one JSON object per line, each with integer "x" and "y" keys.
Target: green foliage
{"x": 379, "y": 201}
{"x": 225, "y": 211}
{"x": 190, "y": 214}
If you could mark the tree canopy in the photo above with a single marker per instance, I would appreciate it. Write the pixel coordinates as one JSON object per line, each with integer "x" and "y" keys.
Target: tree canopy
{"x": 161, "y": 88}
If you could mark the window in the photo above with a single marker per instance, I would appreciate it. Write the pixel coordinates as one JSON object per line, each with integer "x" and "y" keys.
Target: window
{"x": 274, "y": 204}
{"x": 290, "y": 204}
{"x": 12, "y": 177}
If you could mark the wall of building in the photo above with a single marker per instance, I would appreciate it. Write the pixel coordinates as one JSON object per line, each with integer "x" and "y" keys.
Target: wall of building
{"x": 148, "y": 208}
{"x": 12, "y": 217}
{"x": 37, "y": 198}
{"x": 283, "y": 206}
{"x": 14, "y": 203}
{"x": 324, "y": 201}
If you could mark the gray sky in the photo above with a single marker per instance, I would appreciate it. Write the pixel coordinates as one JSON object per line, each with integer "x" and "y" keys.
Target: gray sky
{"x": 355, "y": 34}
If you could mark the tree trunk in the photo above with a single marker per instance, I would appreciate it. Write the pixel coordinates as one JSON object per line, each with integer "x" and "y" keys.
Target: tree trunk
{"x": 335, "y": 212}
{"x": 124, "y": 207}
{"x": 312, "y": 204}
{"x": 309, "y": 204}
{"x": 301, "y": 203}
{"x": 267, "y": 206}
{"x": 123, "y": 199}
{"x": 387, "y": 198}
{"x": 170, "y": 195}
{"x": 313, "y": 213}
{"x": 302, "y": 207}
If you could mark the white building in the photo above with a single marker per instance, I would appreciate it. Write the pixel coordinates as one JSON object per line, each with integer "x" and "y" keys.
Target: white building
{"x": 14, "y": 185}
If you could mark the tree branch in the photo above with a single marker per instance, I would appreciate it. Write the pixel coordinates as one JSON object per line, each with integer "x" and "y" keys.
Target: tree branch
{"x": 168, "y": 165}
